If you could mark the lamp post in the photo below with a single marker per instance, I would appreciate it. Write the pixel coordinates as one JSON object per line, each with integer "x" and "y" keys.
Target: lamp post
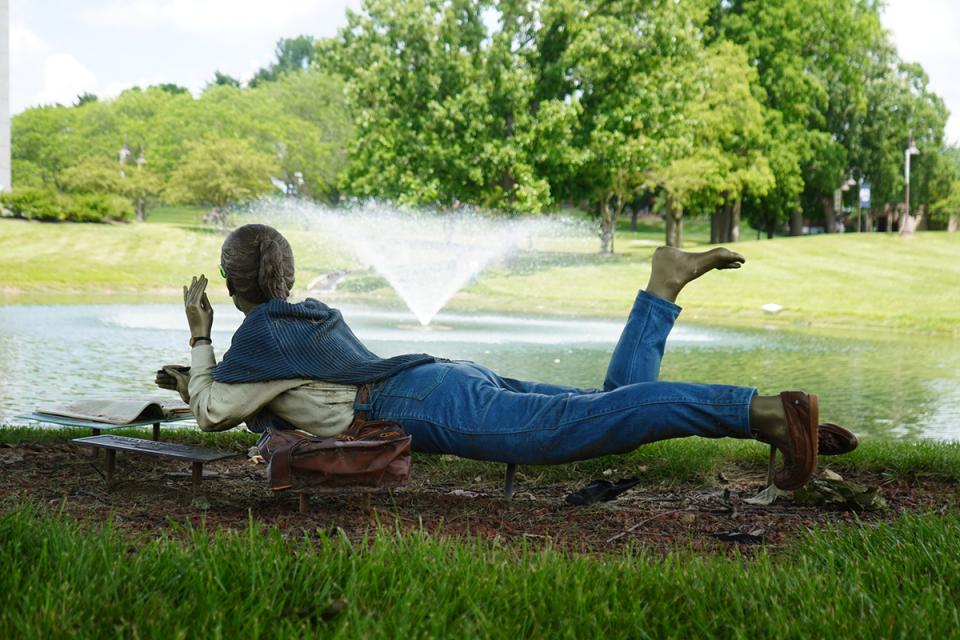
{"x": 909, "y": 151}
{"x": 122, "y": 156}
{"x": 838, "y": 197}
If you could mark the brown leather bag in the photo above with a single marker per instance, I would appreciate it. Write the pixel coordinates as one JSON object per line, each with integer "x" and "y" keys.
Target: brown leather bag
{"x": 373, "y": 453}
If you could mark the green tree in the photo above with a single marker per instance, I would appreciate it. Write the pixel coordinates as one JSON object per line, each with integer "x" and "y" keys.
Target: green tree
{"x": 86, "y": 97}
{"x": 726, "y": 159}
{"x": 629, "y": 67}
{"x": 311, "y": 130}
{"x": 223, "y": 79}
{"x": 96, "y": 174}
{"x": 219, "y": 172}
{"x": 292, "y": 54}
{"x": 93, "y": 175}
{"x": 810, "y": 56}
{"x": 43, "y": 144}
{"x": 947, "y": 209}
{"x": 444, "y": 111}
{"x": 171, "y": 87}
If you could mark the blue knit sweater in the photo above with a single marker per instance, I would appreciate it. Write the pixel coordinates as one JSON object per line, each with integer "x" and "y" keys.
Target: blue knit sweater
{"x": 280, "y": 340}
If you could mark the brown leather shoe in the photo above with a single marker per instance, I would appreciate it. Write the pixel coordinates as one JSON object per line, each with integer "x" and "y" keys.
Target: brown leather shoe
{"x": 803, "y": 413}
{"x": 834, "y": 440}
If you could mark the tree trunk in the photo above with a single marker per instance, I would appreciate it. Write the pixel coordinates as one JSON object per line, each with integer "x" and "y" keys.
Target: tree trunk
{"x": 607, "y": 223}
{"x": 922, "y": 222}
{"x": 618, "y": 204}
{"x": 674, "y": 223}
{"x": 953, "y": 224}
{"x": 829, "y": 215}
{"x": 771, "y": 227}
{"x": 717, "y": 223}
{"x": 734, "y": 234}
{"x": 725, "y": 222}
{"x": 796, "y": 223}
{"x": 634, "y": 212}
{"x": 141, "y": 210}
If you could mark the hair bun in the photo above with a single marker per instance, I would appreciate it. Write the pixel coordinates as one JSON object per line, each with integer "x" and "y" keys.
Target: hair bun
{"x": 271, "y": 277}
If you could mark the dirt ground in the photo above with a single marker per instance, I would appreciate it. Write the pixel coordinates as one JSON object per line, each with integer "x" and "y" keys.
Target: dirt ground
{"x": 150, "y": 495}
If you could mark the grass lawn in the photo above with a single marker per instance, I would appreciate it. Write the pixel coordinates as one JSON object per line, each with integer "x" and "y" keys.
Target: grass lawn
{"x": 852, "y": 281}
{"x": 183, "y": 575}
{"x": 898, "y": 580}
{"x": 184, "y": 216}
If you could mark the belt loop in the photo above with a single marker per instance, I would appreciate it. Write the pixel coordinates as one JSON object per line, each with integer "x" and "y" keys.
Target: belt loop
{"x": 361, "y": 404}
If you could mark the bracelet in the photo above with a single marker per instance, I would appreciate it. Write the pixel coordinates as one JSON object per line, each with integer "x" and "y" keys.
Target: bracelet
{"x": 194, "y": 340}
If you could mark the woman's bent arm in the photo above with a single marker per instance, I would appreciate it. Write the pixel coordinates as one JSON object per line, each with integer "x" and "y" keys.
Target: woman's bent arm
{"x": 218, "y": 406}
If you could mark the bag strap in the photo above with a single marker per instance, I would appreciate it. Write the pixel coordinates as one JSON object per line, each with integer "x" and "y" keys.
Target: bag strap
{"x": 280, "y": 462}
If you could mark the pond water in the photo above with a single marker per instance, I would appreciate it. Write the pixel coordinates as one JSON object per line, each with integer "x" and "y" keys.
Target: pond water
{"x": 902, "y": 388}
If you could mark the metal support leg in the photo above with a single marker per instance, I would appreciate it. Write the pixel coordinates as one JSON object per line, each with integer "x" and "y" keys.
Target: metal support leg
{"x": 508, "y": 481}
{"x": 770, "y": 464}
{"x": 111, "y": 466}
{"x": 197, "y": 475}
{"x": 156, "y": 431}
{"x": 95, "y": 452}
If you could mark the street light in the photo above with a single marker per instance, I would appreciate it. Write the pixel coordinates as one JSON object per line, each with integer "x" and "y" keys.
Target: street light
{"x": 838, "y": 196}
{"x": 909, "y": 151}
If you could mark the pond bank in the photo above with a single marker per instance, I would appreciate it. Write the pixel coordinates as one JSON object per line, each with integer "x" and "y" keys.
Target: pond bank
{"x": 858, "y": 281}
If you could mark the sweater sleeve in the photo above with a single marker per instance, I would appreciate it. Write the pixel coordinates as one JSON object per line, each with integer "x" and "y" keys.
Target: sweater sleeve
{"x": 219, "y": 406}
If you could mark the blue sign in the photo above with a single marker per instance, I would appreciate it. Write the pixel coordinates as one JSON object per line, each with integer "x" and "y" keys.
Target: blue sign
{"x": 865, "y": 195}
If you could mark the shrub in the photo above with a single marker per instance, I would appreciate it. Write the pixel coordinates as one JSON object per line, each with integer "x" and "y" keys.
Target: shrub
{"x": 32, "y": 203}
{"x": 99, "y": 207}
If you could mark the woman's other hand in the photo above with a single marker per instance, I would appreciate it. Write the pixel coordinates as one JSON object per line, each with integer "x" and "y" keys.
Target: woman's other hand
{"x": 197, "y": 306}
{"x": 175, "y": 378}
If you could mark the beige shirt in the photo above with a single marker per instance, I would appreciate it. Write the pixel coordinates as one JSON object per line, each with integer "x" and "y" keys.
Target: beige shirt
{"x": 321, "y": 408}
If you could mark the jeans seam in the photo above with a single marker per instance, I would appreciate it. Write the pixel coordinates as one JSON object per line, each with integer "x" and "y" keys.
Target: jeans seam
{"x": 652, "y": 402}
{"x": 452, "y": 429}
{"x": 636, "y": 345}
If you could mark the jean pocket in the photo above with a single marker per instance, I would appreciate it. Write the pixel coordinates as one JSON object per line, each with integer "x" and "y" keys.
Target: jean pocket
{"x": 417, "y": 383}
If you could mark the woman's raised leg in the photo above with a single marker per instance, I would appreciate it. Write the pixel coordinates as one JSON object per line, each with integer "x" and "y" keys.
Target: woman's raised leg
{"x": 639, "y": 351}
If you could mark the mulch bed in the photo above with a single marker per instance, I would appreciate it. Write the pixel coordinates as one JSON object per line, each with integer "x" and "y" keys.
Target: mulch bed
{"x": 147, "y": 500}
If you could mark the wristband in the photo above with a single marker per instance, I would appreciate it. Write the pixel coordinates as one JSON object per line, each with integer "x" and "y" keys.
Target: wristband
{"x": 196, "y": 339}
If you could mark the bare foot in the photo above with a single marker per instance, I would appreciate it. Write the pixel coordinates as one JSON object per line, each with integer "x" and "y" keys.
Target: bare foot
{"x": 672, "y": 268}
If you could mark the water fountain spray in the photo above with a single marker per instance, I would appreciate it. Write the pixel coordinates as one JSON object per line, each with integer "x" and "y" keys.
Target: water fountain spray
{"x": 426, "y": 257}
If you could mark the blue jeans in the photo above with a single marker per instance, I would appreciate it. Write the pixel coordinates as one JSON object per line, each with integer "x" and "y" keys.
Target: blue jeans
{"x": 467, "y": 410}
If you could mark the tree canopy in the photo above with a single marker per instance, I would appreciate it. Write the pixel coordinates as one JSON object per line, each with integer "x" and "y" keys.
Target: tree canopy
{"x": 728, "y": 109}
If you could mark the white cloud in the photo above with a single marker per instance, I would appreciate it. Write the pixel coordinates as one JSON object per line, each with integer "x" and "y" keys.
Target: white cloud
{"x": 27, "y": 54}
{"x": 24, "y": 43}
{"x": 64, "y": 78}
{"x": 928, "y": 32}
{"x": 201, "y": 15}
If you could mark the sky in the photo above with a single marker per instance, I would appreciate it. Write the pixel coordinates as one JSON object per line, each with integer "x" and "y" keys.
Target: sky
{"x": 62, "y": 48}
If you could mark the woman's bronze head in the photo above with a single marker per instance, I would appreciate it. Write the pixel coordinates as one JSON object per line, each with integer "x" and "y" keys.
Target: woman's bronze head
{"x": 257, "y": 262}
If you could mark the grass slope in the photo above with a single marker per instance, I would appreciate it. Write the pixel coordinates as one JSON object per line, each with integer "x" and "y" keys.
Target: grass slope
{"x": 850, "y": 280}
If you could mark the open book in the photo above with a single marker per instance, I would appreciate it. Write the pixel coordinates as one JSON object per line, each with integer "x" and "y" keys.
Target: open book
{"x": 121, "y": 409}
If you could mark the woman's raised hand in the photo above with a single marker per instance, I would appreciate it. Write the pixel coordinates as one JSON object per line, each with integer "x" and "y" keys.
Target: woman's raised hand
{"x": 198, "y": 308}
